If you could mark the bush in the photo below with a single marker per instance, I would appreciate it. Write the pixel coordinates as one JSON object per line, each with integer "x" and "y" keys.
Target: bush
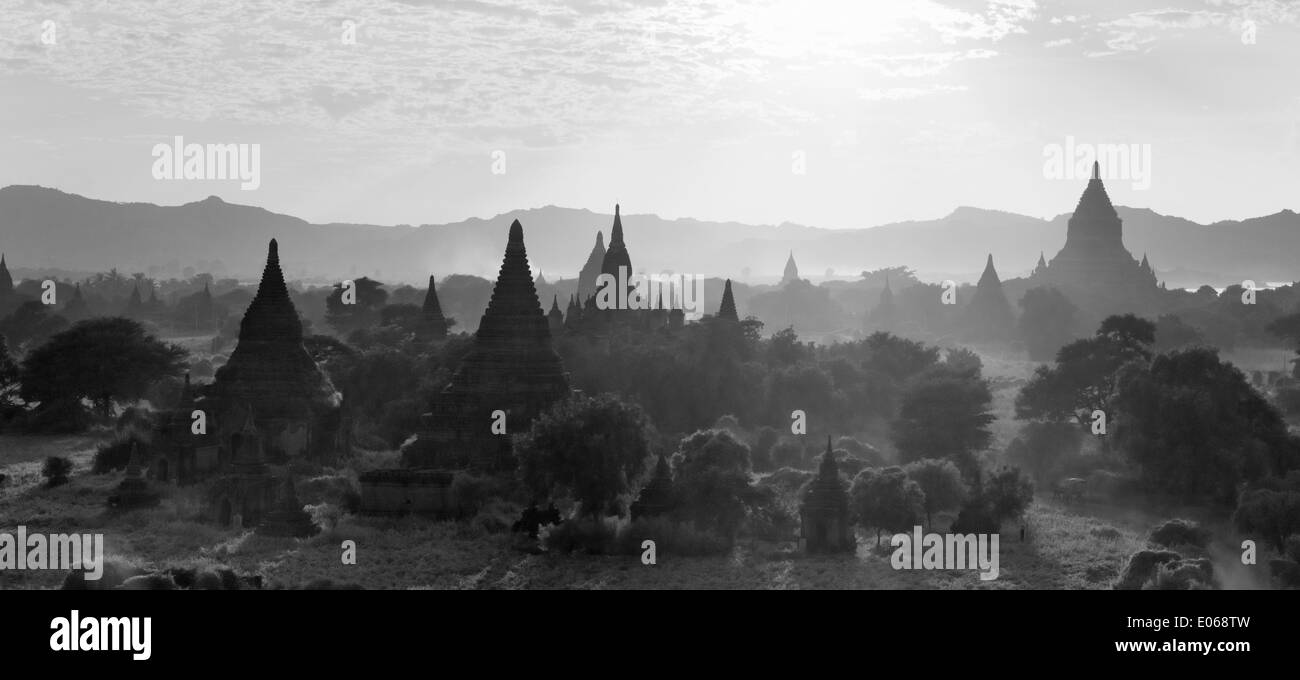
{"x": 671, "y": 538}
{"x": 1142, "y": 566}
{"x": 471, "y": 493}
{"x": 116, "y": 455}
{"x": 1178, "y": 532}
{"x": 591, "y": 536}
{"x": 616, "y": 536}
{"x": 56, "y": 471}
{"x": 1182, "y": 574}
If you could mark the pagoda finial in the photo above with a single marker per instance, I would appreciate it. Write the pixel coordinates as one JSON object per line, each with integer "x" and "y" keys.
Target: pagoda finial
{"x": 273, "y": 253}
{"x": 728, "y": 308}
{"x": 1096, "y": 170}
{"x": 516, "y": 234}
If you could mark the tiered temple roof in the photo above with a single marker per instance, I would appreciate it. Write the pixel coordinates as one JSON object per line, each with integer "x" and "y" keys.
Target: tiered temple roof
{"x": 512, "y": 367}
{"x": 270, "y": 369}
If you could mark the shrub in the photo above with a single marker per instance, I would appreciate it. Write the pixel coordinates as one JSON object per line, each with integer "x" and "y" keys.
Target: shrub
{"x": 471, "y": 493}
{"x": 1178, "y": 532}
{"x": 591, "y": 536}
{"x": 116, "y": 455}
{"x": 1142, "y": 566}
{"x": 1182, "y": 574}
{"x": 56, "y": 471}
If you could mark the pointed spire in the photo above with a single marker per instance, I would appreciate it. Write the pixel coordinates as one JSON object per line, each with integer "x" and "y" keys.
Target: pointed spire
{"x": 6, "y": 281}
{"x": 791, "y": 272}
{"x": 990, "y": 275}
{"x": 1042, "y": 261}
{"x": 1096, "y": 170}
{"x": 616, "y": 256}
{"x": 555, "y": 304}
{"x": 271, "y": 314}
{"x": 432, "y": 312}
{"x": 591, "y": 269}
{"x": 828, "y": 468}
{"x": 728, "y": 308}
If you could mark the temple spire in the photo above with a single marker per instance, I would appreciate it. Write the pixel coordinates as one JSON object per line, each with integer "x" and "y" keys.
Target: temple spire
{"x": 728, "y": 308}
{"x": 432, "y": 312}
{"x": 791, "y": 272}
{"x": 6, "y": 281}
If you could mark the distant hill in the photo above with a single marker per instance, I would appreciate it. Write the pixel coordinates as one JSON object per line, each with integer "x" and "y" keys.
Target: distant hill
{"x": 44, "y": 228}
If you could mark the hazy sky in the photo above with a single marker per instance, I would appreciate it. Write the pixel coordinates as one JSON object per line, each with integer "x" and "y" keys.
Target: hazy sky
{"x": 895, "y": 110}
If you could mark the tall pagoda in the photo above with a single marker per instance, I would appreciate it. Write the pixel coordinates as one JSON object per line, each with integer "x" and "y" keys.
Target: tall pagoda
{"x": 511, "y": 367}
{"x": 298, "y": 411}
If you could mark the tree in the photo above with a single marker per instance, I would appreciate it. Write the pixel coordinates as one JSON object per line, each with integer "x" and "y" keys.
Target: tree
{"x": 56, "y": 471}
{"x": 1173, "y": 333}
{"x": 105, "y": 360}
{"x": 8, "y": 375}
{"x": 1195, "y": 428}
{"x": 711, "y": 487}
{"x": 363, "y": 312}
{"x": 886, "y": 499}
{"x": 944, "y": 414}
{"x": 31, "y": 324}
{"x": 1082, "y": 380}
{"x": 1008, "y": 493}
{"x": 592, "y": 448}
{"x": 942, "y": 484}
{"x": 1273, "y": 514}
{"x": 1041, "y": 447}
{"x": 1047, "y": 321}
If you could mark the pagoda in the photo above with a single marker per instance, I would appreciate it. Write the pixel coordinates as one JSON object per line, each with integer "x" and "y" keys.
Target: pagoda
{"x": 988, "y": 316}
{"x": 270, "y": 373}
{"x": 590, "y": 270}
{"x": 287, "y": 518}
{"x": 727, "y": 310}
{"x": 555, "y": 318}
{"x": 824, "y": 513}
{"x": 1094, "y": 269}
{"x": 435, "y": 324}
{"x": 791, "y": 273}
{"x": 656, "y": 498}
{"x": 512, "y": 367}
{"x": 884, "y": 316}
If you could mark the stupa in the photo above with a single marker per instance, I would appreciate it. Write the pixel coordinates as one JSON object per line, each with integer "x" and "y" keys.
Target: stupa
{"x": 297, "y": 408}
{"x": 511, "y": 367}
{"x": 1094, "y": 269}
{"x": 791, "y": 273}
{"x": 988, "y": 316}
{"x": 656, "y": 498}
{"x": 133, "y": 491}
{"x": 590, "y": 270}
{"x": 727, "y": 310}
{"x": 435, "y": 324}
{"x": 287, "y": 518}
{"x": 824, "y": 513}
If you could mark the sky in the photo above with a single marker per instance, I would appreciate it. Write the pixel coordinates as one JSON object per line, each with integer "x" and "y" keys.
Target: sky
{"x": 829, "y": 113}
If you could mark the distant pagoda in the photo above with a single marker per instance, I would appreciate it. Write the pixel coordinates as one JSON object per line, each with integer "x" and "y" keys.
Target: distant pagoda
{"x": 988, "y": 316}
{"x": 435, "y": 324}
{"x": 791, "y": 273}
{"x": 727, "y": 310}
{"x": 555, "y": 318}
{"x": 884, "y": 316}
{"x": 298, "y": 411}
{"x": 6, "y": 280}
{"x": 1094, "y": 269}
{"x": 590, "y": 270}
{"x": 511, "y": 367}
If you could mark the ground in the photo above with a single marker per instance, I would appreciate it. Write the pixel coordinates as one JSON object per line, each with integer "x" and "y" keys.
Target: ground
{"x": 1081, "y": 546}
